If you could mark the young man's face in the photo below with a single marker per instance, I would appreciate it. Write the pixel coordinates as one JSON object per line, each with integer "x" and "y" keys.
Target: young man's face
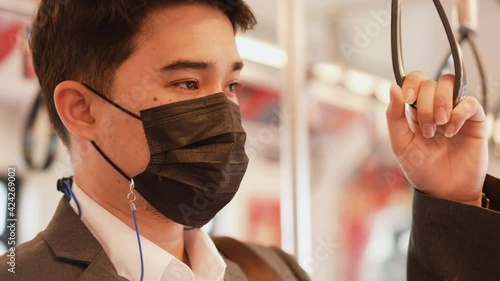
{"x": 183, "y": 52}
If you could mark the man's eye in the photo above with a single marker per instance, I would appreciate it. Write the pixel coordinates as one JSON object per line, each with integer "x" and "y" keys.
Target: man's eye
{"x": 188, "y": 85}
{"x": 233, "y": 87}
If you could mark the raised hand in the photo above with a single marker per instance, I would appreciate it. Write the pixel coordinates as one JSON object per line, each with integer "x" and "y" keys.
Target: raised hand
{"x": 442, "y": 149}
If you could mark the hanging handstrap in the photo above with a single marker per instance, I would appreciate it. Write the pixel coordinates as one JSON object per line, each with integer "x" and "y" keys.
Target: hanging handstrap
{"x": 29, "y": 135}
{"x": 250, "y": 263}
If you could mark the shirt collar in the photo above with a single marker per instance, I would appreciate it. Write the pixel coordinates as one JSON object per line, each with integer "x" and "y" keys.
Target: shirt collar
{"x": 120, "y": 244}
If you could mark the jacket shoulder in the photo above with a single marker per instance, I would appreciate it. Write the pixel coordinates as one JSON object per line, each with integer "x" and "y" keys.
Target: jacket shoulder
{"x": 34, "y": 260}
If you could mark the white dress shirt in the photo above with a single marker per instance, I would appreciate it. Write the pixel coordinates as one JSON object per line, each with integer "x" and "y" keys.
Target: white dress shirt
{"x": 120, "y": 244}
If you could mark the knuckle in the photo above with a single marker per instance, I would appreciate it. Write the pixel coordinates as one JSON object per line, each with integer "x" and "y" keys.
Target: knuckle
{"x": 414, "y": 78}
{"x": 447, "y": 78}
{"x": 425, "y": 115}
{"x": 442, "y": 101}
{"x": 428, "y": 83}
{"x": 469, "y": 103}
{"x": 419, "y": 74}
{"x": 459, "y": 115}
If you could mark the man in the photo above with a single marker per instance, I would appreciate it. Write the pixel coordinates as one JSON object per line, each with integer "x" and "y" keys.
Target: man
{"x": 444, "y": 153}
{"x": 143, "y": 95}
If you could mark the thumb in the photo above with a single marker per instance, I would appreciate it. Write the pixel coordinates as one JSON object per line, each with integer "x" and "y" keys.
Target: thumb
{"x": 399, "y": 129}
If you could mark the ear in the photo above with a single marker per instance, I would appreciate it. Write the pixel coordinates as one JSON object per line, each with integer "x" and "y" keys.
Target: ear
{"x": 74, "y": 104}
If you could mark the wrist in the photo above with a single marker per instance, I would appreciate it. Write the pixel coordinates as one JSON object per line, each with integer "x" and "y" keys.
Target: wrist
{"x": 477, "y": 201}
{"x": 462, "y": 194}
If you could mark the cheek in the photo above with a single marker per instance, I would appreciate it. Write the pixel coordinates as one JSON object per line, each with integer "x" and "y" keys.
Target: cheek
{"x": 129, "y": 146}
{"x": 137, "y": 148}
{"x": 138, "y": 144}
{"x": 233, "y": 98}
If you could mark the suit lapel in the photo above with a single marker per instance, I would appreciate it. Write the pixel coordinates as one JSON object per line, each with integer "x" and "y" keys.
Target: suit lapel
{"x": 69, "y": 239}
{"x": 101, "y": 268}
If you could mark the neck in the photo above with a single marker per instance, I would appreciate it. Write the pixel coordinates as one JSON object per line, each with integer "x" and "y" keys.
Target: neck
{"x": 156, "y": 228}
{"x": 111, "y": 194}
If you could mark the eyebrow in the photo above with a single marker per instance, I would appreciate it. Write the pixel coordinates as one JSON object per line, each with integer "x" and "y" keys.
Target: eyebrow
{"x": 197, "y": 65}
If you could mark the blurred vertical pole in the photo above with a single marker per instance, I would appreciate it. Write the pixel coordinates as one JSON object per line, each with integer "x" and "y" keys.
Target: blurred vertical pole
{"x": 295, "y": 192}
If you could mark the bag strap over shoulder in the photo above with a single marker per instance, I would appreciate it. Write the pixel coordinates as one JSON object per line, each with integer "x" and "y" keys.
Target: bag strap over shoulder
{"x": 298, "y": 272}
{"x": 252, "y": 265}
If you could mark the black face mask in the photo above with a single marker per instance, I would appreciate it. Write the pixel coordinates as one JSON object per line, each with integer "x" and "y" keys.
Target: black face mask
{"x": 197, "y": 160}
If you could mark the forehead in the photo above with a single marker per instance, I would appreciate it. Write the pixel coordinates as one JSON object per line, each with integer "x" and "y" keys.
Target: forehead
{"x": 189, "y": 31}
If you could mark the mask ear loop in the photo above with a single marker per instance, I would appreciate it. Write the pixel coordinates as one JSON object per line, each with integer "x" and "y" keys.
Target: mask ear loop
{"x": 111, "y": 102}
{"x": 132, "y": 197}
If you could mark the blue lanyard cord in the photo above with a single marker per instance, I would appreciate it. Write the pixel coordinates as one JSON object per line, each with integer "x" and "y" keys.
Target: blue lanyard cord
{"x": 139, "y": 243}
{"x": 68, "y": 191}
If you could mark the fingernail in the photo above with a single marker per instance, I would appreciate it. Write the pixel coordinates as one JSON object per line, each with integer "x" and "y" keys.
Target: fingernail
{"x": 450, "y": 131}
{"x": 411, "y": 96}
{"x": 428, "y": 131}
{"x": 441, "y": 116}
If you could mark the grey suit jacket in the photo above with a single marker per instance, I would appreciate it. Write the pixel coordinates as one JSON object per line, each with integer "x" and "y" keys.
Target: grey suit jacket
{"x": 455, "y": 242}
{"x": 449, "y": 242}
{"x": 66, "y": 250}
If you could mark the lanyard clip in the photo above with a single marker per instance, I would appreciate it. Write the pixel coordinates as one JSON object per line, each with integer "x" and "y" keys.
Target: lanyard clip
{"x": 131, "y": 195}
